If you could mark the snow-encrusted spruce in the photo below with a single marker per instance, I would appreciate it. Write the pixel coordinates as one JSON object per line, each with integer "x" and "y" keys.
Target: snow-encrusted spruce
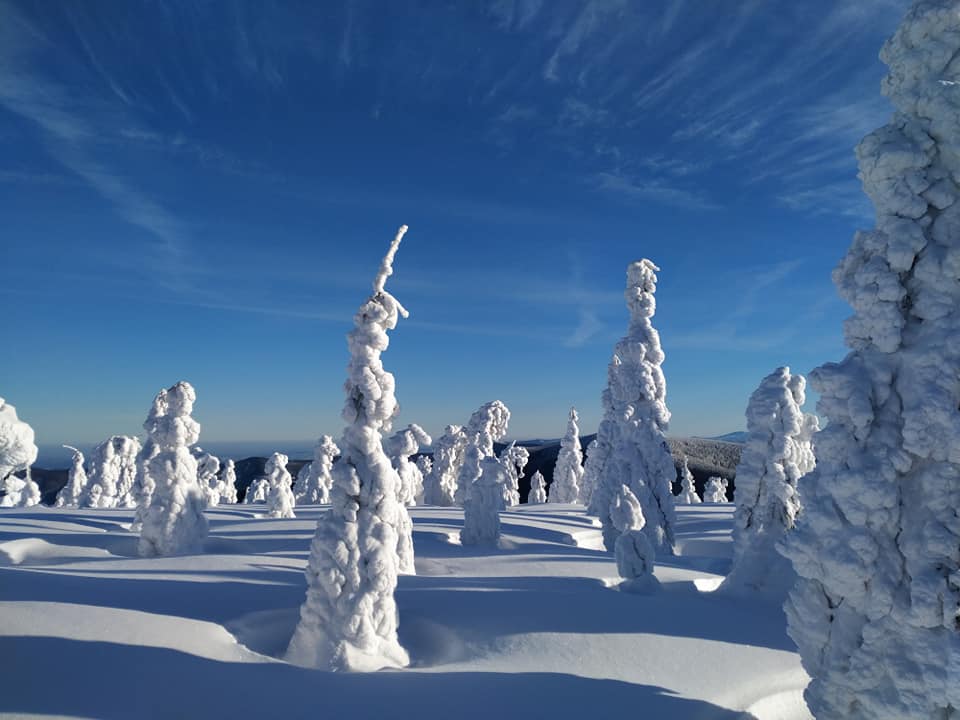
{"x": 280, "y": 500}
{"x": 440, "y": 485}
{"x": 598, "y": 452}
{"x": 113, "y": 471}
{"x": 715, "y": 490}
{"x": 400, "y": 446}
{"x": 874, "y": 612}
{"x": 424, "y": 464}
{"x": 568, "y": 471}
{"x": 208, "y": 466}
{"x": 256, "y": 492}
{"x": 688, "y": 491}
{"x": 481, "y": 513}
{"x": 590, "y": 472}
{"x": 314, "y": 479}
{"x": 227, "y": 485}
{"x": 71, "y": 493}
{"x": 636, "y": 419}
{"x": 538, "y": 489}
{"x": 174, "y": 521}
{"x": 632, "y": 550}
{"x": 514, "y": 458}
{"x": 349, "y": 619}
{"x": 487, "y": 425}
{"x": 18, "y": 452}
{"x": 144, "y": 484}
{"x": 777, "y": 453}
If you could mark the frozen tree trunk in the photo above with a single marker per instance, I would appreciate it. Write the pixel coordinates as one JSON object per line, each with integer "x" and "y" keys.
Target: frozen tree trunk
{"x": 280, "y": 500}
{"x": 487, "y": 425}
{"x": 631, "y": 438}
{"x": 481, "y": 513}
{"x": 440, "y": 485}
{"x": 349, "y": 619}
{"x": 715, "y": 490}
{"x": 315, "y": 480}
{"x": 568, "y": 471}
{"x": 874, "y": 611}
{"x": 174, "y": 522}
{"x": 688, "y": 491}
{"x": 72, "y": 492}
{"x": 591, "y": 468}
{"x": 207, "y": 468}
{"x": 634, "y": 553}
{"x": 514, "y": 458}
{"x": 776, "y": 455}
{"x": 227, "y": 487}
{"x": 538, "y": 489}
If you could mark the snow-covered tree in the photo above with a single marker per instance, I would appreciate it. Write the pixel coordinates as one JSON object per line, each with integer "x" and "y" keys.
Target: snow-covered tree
{"x": 632, "y": 550}
{"x": 591, "y": 471}
{"x": 280, "y": 500}
{"x": 208, "y": 467}
{"x": 112, "y": 476}
{"x": 440, "y": 485}
{"x": 314, "y": 479}
{"x": 688, "y": 491}
{"x": 874, "y": 611}
{"x": 349, "y": 619}
{"x": 777, "y": 453}
{"x": 144, "y": 484}
{"x": 631, "y": 438}
{"x": 72, "y": 492}
{"x": 538, "y": 489}
{"x": 227, "y": 486}
{"x": 715, "y": 490}
{"x": 18, "y": 452}
{"x": 174, "y": 521}
{"x": 487, "y": 425}
{"x": 424, "y": 463}
{"x": 257, "y": 492}
{"x": 568, "y": 471}
{"x": 400, "y": 446}
{"x": 514, "y": 458}
{"x": 481, "y": 513}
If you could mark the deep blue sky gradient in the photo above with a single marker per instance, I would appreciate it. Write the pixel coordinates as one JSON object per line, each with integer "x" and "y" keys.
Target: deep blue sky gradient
{"x": 203, "y": 191}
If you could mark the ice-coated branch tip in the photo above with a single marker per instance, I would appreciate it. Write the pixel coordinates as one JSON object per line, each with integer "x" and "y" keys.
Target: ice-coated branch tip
{"x": 386, "y": 267}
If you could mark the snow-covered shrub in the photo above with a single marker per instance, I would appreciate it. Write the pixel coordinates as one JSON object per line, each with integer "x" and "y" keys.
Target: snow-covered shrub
{"x": 227, "y": 485}
{"x": 487, "y": 425}
{"x": 112, "y": 476}
{"x": 400, "y": 446}
{"x": 632, "y": 549}
{"x": 257, "y": 492}
{"x": 174, "y": 521}
{"x": 631, "y": 438}
{"x": 688, "y": 491}
{"x": 777, "y": 453}
{"x": 514, "y": 458}
{"x": 440, "y": 485}
{"x": 314, "y": 479}
{"x": 715, "y": 490}
{"x": 71, "y": 493}
{"x": 208, "y": 466}
{"x": 481, "y": 513}
{"x": 568, "y": 471}
{"x": 349, "y": 619}
{"x": 874, "y": 611}
{"x": 280, "y": 500}
{"x": 538, "y": 489}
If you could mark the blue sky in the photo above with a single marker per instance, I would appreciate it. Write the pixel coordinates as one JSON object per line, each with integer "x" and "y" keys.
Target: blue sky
{"x": 203, "y": 191}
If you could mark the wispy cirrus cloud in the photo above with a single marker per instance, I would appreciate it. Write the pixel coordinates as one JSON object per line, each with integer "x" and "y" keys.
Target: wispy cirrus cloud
{"x": 651, "y": 190}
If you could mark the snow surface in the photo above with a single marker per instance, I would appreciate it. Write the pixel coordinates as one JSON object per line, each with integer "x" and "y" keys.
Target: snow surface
{"x": 489, "y": 631}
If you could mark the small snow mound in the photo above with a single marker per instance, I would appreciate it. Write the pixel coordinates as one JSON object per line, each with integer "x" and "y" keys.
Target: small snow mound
{"x": 34, "y": 551}
{"x": 785, "y": 705}
{"x": 707, "y": 585}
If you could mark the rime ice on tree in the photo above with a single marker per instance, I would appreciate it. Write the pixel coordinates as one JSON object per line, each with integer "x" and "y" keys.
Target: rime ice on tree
{"x": 18, "y": 452}
{"x": 597, "y": 455}
{"x": 440, "y": 485}
{"x": 481, "y": 513}
{"x": 568, "y": 471}
{"x": 631, "y": 438}
{"x": 776, "y": 455}
{"x": 280, "y": 500}
{"x": 874, "y": 611}
{"x": 688, "y": 491}
{"x": 208, "y": 466}
{"x": 113, "y": 470}
{"x": 632, "y": 550}
{"x": 400, "y": 446}
{"x": 314, "y": 479}
{"x": 514, "y": 459}
{"x": 349, "y": 619}
{"x": 487, "y": 425}
{"x": 538, "y": 489}
{"x": 715, "y": 490}
{"x": 72, "y": 492}
{"x": 425, "y": 466}
{"x": 227, "y": 485}
{"x": 144, "y": 484}
{"x": 174, "y": 521}
{"x": 257, "y": 492}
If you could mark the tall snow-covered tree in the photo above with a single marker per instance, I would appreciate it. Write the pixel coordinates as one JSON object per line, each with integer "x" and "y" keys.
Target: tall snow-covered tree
{"x": 280, "y": 500}
{"x": 440, "y": 485}
{"x": 874, "y": 612}
{"x": 18, "y": 452}
{"x": 349, "y": 619}
{"x": 591, "y": 470}
{"x": 113, "y": 468}
{"x": 631, "y": 436}
{"x": 71, "y": 493}
{"x": 514, "y": 458}
{"x": 487, "y": 425}
{"x": 400, "y": 446}
{"x": 208, "y": 466}
{"x": 315, "y": 479}
{"x": 424, "y": 464}
{"x": 227, "y": 486}
{"x": 688, "y": 491}
{"x": 538, "y": 489}
{"x": 715, "y": 490}
{"x": 174, "y": 521}
{"x": 256, "y": 492}
{"x": 568, "y": 471}
{"x": 144, "y": 484}
{"x": 776, "y": 455}
{"x": 481, "y": 513}
{"x": 632, "y": 550}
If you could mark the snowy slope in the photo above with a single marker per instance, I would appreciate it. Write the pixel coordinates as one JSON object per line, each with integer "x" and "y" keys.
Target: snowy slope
{"x": 534, "y": 629}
